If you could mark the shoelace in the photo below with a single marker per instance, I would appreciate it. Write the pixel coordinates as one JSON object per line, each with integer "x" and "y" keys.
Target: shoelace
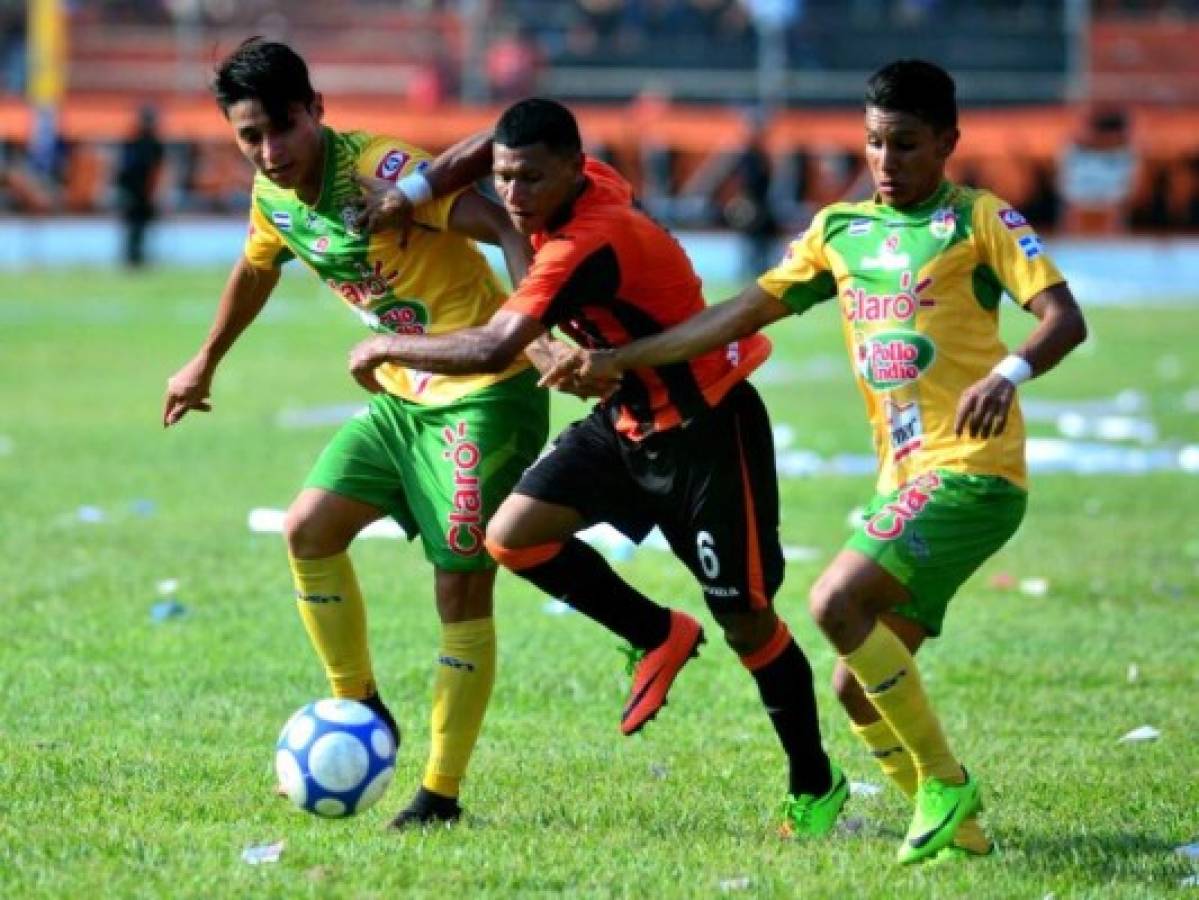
{"x": 632, "y": 656}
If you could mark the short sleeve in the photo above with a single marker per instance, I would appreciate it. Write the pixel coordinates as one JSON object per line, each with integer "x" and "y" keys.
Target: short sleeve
{"x": 264, "y": 247}
{"x": 803, "y": 278}
{"x": 1009, "y": 246}
{"x": 566, "y": 274}
{"x": 391, "y": 159}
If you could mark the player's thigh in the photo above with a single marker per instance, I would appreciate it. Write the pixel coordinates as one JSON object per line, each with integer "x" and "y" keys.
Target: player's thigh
{"x": 933, "y": 533}
{"x": 722, "y": 519}
{"x": 463, "y": 460}
{"x": 581, "y": 480}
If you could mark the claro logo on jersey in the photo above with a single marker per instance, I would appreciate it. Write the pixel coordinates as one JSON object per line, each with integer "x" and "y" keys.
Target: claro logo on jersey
{"x": 898, "y": 307}
{"x": 891, "y": 359}
{"x": 464, "y": 523}
{"x": 373, "y": 284}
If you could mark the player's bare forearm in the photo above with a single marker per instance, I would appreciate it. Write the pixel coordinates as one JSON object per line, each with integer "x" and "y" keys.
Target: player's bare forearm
{"x": 482, "y": 349}
{"x": 716, "y": 326}
{"x": 460, "y": 165}
{"x": 1061, "y": 328}
{"x": 244, "y": 296}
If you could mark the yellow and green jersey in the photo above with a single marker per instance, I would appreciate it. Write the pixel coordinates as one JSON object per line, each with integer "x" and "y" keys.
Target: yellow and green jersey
{"x": 439, "y": 283}
{"x": 919, "y": 291}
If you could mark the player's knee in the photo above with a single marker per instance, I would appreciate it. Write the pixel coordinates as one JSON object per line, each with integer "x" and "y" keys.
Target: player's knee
{"x": 831, "y": 603}
{"x": 307, "y": 537}
{"x": 748, "y": 632}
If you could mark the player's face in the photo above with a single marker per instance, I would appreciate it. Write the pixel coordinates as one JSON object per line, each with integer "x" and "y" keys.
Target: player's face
{"x": 906, "y": 155}
{"x": 289, "y": 153}
{"x": 534, "y": 184}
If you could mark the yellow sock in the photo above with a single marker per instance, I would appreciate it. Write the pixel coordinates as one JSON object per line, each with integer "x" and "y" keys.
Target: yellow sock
{"x": 896, "y": 763}
{"x": 888, "y": 674}
{"x": 334, "y": 616}
{"x": 465, "y": 674}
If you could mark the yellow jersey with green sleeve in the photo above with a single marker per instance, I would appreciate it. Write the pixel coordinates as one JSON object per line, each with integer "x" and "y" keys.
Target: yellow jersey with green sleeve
{"x": 439, "y": 283}
{"x": 919, "y": 292}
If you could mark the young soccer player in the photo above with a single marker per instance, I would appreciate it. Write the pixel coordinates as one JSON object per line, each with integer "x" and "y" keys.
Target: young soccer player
{"x": 435, "y": 452}
{"x": 918, "y": 273}
{"x": 686, "y": 447}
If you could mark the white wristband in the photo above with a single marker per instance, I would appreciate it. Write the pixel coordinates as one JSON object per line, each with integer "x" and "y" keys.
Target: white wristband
{"x": 1014, "y": 368}
{"x": 416, "y": 188}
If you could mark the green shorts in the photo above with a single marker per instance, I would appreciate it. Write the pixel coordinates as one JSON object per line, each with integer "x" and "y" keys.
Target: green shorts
{"x": 439, "y": 471}
{"x": 934, "y": 532}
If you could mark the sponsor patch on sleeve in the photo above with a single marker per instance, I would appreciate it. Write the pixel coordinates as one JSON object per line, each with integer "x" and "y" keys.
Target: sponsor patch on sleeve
{"x": 1012, "y": 219}
{"x": 1031, "y": 245}
{"x": 391, "y": 164}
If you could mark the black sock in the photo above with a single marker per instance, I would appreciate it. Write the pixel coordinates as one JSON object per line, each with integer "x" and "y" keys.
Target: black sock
{"x": 785, "y": 685}
{"x": 581, "y": 577}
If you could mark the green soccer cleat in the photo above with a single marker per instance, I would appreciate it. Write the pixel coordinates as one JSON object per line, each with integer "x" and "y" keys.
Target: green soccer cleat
{"x": 808, "y": 816}
{"x": 940, "y": 809}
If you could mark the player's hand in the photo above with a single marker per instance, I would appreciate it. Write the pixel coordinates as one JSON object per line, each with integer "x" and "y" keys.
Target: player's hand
{"x": 383, "y": 208}
{"x": 576, "y": 371}
{"x": 366, "y": 356}
{"x": 187, "y": 389}
{"x": 984, "y": 407}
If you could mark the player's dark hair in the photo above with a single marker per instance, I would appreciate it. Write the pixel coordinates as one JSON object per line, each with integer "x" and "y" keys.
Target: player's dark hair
{"x": 266, "y": 71}
{"x": 917, "y": 87}
{"x": 538, "y": 121}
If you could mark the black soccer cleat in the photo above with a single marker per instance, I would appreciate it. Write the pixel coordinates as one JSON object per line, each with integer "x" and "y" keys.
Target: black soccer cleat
{"x": 427, "y": 809}
{"x": 379, "y": 708}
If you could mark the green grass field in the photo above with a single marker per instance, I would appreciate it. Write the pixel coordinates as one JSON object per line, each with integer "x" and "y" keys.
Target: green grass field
{"x": 136, "y": 757}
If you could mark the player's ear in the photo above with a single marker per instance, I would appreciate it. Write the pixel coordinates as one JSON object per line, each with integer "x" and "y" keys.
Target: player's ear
{"x": 947, "y": 142}
{"x": 317, "y": 107}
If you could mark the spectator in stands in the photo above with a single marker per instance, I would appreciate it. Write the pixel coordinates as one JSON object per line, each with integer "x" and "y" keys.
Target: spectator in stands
{"x": 750, "y": 212}
{"x": 136, "y": 175}
{"x": 513, "y": 63}
{"x": 12, "y": 48}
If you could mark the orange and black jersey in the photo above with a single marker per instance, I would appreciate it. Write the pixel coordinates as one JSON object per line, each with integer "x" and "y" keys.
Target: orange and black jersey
{"x": 609, "y": 275}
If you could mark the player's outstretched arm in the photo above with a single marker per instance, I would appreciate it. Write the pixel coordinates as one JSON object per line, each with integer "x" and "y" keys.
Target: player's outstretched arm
{"x": 245, "y": 294}
{"x": 483, "y": 348}
{"x": 716, "y": 326}
{"x": 984, "y": 406}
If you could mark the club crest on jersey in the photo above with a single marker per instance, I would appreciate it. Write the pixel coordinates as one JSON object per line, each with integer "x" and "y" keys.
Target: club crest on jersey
{"x": 888, "y": 258}
{"x": 320, "y": 245}
{"x": 391, "y": 164}
{"x": 1012, "y": 219}
{"x": 943, "y": 223}
{"x": 1031, "y": 245}
{"x": 281, "y": 219}
{"x": 859, "y": 227}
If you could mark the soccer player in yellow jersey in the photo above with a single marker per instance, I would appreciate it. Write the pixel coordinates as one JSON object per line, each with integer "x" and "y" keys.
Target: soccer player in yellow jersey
{"x": 918, "y": 273}
{"x": 435, "y": 452}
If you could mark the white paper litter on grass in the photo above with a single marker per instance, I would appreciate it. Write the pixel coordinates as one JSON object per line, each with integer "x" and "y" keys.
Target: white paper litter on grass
{"x": 864, "y": 789}
{"x": 1034, "y": 587}
{"x": 1189, "y": 881}
{"x": 90, "y": 514}
{"x": 262, "y": 853}
{"x": 557, "y": 607}
{"x": 262, "y": 520}
{"x": 1134, "y": 673}
{"x": 1139, "y": 735}
{"x": 735, "y": 884}
{"x": 801, "y": 554}
{"x": 1190, "y": 851}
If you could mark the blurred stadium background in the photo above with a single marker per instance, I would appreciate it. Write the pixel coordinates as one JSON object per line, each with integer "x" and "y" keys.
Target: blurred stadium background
{"x": 726, "y": 114}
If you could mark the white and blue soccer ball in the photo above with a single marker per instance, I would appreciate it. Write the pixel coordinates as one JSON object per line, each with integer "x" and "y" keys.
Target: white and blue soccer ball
{"x": 335, "y": 757}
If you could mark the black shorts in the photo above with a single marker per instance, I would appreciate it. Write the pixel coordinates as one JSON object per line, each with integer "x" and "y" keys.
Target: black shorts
{"x": 710, "y": 485}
